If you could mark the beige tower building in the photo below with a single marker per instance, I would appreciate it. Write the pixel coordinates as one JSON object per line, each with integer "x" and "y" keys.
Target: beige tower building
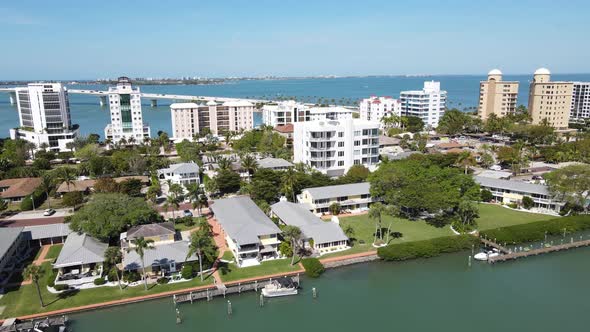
{"x": 497, "y": 96}
{"x": 550, "y": 100}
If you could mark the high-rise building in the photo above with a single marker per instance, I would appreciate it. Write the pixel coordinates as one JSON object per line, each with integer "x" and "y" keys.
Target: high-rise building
{"x": 189, "y": 119}
{"x": 580, "y": 110}
{"x": 44, "y": 116}
{"x": 290, "y": 111}
{"x": 333, "y": 146}
{"x": 126, "y": 116}
{"x": 551, "y": 101}
{"x": 497, "y": 96}
{"x": 428, "y": 104}
{"x": 376, "y": 108}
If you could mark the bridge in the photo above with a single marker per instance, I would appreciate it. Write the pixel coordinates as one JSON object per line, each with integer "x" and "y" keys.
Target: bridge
{"x": 153, "y": 97}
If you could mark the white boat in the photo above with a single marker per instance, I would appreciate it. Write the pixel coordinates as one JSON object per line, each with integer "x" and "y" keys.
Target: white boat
{"x": 280, "y": 287}
{"x": 483, "y": 256}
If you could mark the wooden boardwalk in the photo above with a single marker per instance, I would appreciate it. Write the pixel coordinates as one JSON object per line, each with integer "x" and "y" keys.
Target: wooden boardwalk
{"x": 535, "y": 252}
{"x": 36, "y": 324}
{"x": 495, "y": 245}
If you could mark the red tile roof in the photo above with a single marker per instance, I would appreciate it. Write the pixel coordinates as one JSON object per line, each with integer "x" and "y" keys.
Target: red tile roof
{"x": 19, "y": 187}
{"x": 285, "y": 129}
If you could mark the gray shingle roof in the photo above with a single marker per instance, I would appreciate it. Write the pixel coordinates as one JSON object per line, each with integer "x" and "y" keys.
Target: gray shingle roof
{"x": 511, "y": 185}
{"x": 46, "y": 231}
{"x": 7, "y": 237}
{"x": 149, "y": 230}
{"x": 311, "y": 226}
{"x": 339, "y": 190}
{"x": 80, "y": 249}
{"x": 273, "y": 163}
{"x": 242, "y": 220}
{"x": 159, "y": 255}
{"x": 181, "y": 168}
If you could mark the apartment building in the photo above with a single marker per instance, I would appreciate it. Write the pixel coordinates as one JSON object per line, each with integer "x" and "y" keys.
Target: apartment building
{"x": 428, "y": 104}
{"x": 550, "y": 100}
{"x": 126, "y": 115}
{"x": 332, "y": 147}
{"x": 353, "y": 197}
{"x": 189, "y": 119}
{"x": 497, "y": 96}
{"x": 376, "y": 108}
{"x": 290, "y": 111}
{"x": 580, "y": 110}
{"x": 44, "y": 116}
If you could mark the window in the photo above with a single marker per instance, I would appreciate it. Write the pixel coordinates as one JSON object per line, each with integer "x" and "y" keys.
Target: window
{"x": 341, "y": 163}
{"x": 340, "y": 134}
{"x": 340, "y": 144}
{"x": 340, "y": 153}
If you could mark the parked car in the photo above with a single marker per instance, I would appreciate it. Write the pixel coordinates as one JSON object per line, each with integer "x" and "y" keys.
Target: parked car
{"x": 48, "y": 212}
{"x": 188, "y": 213}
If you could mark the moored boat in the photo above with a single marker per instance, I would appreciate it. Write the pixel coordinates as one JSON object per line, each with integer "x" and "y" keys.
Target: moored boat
{"x": 280, "y": 287}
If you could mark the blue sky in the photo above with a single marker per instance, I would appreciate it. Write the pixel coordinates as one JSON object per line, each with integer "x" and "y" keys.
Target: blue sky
{"x": 77, "y": 40}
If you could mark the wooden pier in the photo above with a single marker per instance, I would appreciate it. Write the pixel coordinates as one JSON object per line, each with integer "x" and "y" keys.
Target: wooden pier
{"x": 14, "y": 325}
{"x": 492, "y": 244}
{"x": 509, "y": 255}
{"x": 230, "y": 288}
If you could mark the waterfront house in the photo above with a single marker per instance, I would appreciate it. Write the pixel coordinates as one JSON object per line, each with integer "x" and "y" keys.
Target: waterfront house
{"x": 15, "y": 190}
{"x": 162, "y": 259}
{"x": 80, "y": 260}
{"x": 512, "y": 191}
{"x": 183, "y": 174}
{"x": 276, "y": 164}
{"x": 249, "y": 233}
{"x": 12, "y": 250}
{"x": 160, "y": 233}
{"x": 319, "y": 236}
{"x": 353, "y": 197}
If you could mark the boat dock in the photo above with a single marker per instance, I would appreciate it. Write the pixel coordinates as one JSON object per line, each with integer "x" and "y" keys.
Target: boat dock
{"x": 510, "y": 255}
{"x": 230, "y": 288}
{"x": 14, "y": 325}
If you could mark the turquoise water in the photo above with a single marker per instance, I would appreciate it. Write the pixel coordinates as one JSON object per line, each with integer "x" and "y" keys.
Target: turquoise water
{"x": 543, "y": 293}
{"x": 462, "y": 92}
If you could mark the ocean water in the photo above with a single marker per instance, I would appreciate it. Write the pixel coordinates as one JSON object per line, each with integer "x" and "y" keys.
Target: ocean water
{"x": 463, "y": 93}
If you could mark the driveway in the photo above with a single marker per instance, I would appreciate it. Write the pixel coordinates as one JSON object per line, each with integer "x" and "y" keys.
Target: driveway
{"x": 33, "y": 218}
{"x": 38, "y": 214}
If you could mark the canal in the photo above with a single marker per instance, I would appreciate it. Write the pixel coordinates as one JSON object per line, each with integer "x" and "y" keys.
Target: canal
{"x": 544, "y": 293}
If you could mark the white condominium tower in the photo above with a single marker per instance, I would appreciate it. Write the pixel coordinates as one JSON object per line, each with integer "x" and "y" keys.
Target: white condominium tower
{"x": 428, "y": 104}
{"x": 580, "y": 102}
{"x": 126, "y": 118}
{"x": 189, "y": 119}
{"x": 44, "y": 116}
{"x": 291, "y": 111}
{"x": 376, "y": 108}
{"x": 333, "y": 146}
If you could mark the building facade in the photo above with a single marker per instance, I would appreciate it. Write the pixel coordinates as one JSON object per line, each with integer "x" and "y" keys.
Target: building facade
{"x": 189, "y": 119}
{"x": 44, "y": 116}
{"x": 376, "y": 108}
{"x": 497, "y": 96}
{"x": 353, "y": 197}
{"x": 288, "y": 112}
{"x": 332, "y": 147}
{"x": 580, "y": 110}
{"x": 428, "y": 104}
{"x": 182, "y": 174}
{"x": 126, "y": 115}
{"x": 550, "y": 100}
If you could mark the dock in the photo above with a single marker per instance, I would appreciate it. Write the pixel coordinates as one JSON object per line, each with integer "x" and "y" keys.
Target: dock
{"x": 493, "y": 244}
{"x": 224, "y": 290}
{"x": 509, "y": 255}
{"x": 14, "y": 325}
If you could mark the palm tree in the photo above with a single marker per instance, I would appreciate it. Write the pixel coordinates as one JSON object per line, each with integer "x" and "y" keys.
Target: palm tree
{"x": 293, "y": 234}
{"x": 376, "y": 211}
{"x": 224, "y": 164}
{"x": 47, "y": 185}
{"x": 172, "y": 200}
{"x": 112, "y": 256}
{"x": 465, "y": 159}
{"x": 66, "y": 175}
{"x": 34, "y": 272}
{"x": 140, "y": 245}
{"x": 249, "y": 163}
{"x": 201, "y": 245}
{"x": 289, "y": 182}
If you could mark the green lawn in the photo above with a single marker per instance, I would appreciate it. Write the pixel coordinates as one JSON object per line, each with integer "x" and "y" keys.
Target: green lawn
{"x": 24, "y": 300}
{"x": 495, "y": 216}
{"x": 234, "y": 272}
{"x": 54, "y": 251}
{"x": 228, "y": 256}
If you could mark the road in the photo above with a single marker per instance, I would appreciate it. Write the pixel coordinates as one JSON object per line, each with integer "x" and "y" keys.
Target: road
{"x": 32, "y": 218}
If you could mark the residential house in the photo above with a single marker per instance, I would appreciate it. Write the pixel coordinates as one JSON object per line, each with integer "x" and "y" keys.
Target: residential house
{"x": 39, "y": 235}
{"x": 80, "y": 260}
{"x": 276, "y": 164}
{"x": 15, "y": 190}
{"x": 319, "y": 236}
{"x": 160, "y": 233}
{"x": 249, "y": 233}
{"x": 353, "y": 197}
{"x": 163, "y": 258}
{"x": 183, "y": 174}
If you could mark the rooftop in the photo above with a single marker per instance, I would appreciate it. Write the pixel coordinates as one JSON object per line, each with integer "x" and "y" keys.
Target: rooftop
{"x": 388, "y": 141}
{"x": 242, "y": 220}
{"x": 512, "y": 185}
{"x": 285, "y": 129}
{"x": 46, "y": 231}
{"x": 183, "y": 105}
{"x": 19, "y": 187}
{"x": 159, "y": 255}
{"x": 80, "y": 249}
{"x": 8, "y": 236}
{"x": 150, "y": 230}
{"x": 181, "y": 168}
{"x": 273, "y": 163}
{"x": 312, "y": 227}
{"x": 351, "y": 189}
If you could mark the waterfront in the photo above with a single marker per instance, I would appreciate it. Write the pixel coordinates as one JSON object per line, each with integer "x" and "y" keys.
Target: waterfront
{"x": 463, "y": 91}
{"x": 545, "y": 293}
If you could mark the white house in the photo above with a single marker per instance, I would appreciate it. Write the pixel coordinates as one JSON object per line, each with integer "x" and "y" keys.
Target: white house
{"x": 183, "y": 174}
{"x": 376, "y": 108}
{"x": 428, "y": 104}
{"x": 332, "y": 147}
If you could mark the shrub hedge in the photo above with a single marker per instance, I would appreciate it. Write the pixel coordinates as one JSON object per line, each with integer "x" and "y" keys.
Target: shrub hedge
{"x": 313, "y": 267}
{"x": 426, "y": 248}
{"x": 27, "y": 203}
{"x": 99, "y": 281}
{"x": 535, "y": 231}
{"x": 61, "y": 287}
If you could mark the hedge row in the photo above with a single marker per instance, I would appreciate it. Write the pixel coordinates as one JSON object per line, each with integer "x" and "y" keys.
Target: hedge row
{"x": 27, "y": 203}
{"x": 313, "y": 267}
{"x": 536, "y": 231}
{"x": 426, "y": 248}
